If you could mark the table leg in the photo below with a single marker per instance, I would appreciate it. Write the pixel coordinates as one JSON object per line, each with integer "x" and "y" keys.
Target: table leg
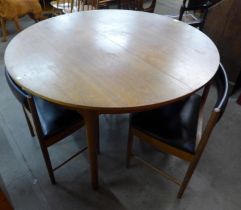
{"x": 92, "y": 129}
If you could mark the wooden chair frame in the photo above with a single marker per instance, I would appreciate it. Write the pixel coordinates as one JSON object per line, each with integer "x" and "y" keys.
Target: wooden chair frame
{"x": 202, "y": 139}
{"x": 69, "y": 6}
{"x": 137, "y": 5}
{"x": 202, "y": 8}
{"x": 34, "y": 125}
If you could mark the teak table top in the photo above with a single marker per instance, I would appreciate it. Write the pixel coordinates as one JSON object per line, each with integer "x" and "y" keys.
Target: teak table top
{"x": 111, "y": 60}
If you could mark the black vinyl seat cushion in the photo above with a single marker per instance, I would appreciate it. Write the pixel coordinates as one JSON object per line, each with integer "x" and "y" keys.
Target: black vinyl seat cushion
{"x": 174, "y": 124}
{"x": 54, "y": 118}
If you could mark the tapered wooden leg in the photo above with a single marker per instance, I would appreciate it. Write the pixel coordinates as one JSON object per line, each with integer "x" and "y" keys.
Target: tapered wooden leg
{"x": 187, "y": 178}
{"x": 181, "y": 13}
{"x": 206, "y": 134}
{"x": 48, "y": 163}
{"x": 97, "y": 134}
{"x": 92, "y": 127}
{"x": 29, "y": 123}
{"x": 129, "y": 147}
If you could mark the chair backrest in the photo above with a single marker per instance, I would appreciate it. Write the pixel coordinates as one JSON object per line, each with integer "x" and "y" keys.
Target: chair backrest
{"x": 69, "y": 6}
{"x": 27, "y": 101}
{"x": 62, "y": 4}
{"x": 220, "y": 81}
{"x": 80, "y": 5}
{"x": 21, "y": 95}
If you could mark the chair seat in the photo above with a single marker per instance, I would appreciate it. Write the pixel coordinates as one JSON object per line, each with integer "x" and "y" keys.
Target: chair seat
{"x": 174, "y": 124}
{"x": 54, "y": 118}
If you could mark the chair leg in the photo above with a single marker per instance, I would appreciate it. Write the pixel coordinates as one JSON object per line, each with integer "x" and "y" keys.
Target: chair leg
{"x": 48, "y": 163}
{"x": 182, "y": 10}
{"x": 29, "y": 123}
{"x": 129, "y": 146}
{"x": 187, "y": 177}
{"x": 4, "y": 29}
{"x": 98, "y": 138}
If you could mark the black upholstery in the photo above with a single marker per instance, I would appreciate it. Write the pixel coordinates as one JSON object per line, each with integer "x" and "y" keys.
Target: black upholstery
{"x": 51, "y": 123}
{"x": 176, "y": 128}
{"x": 54, "y": 118}
{"x": 175, "y": 124}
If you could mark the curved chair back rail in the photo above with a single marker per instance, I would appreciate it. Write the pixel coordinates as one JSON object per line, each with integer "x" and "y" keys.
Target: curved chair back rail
{"x": 177, "y": 128}
{"x": 50, "y": 122}
{"x": 221, "y": 84}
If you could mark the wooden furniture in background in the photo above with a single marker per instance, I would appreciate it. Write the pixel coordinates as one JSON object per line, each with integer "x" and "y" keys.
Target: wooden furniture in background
{"x": 199, "y": 6}
{"x": 223, "y": 26}
{"x": 194, "y": 12}
{"x": 139, "y": 5}
{"x": 12, "y": 10}
{"x": 111, "y": 63}
{"x": 51, "y": 123}
{"x": 177, "y": 128}
{"x": 69, "y": 6}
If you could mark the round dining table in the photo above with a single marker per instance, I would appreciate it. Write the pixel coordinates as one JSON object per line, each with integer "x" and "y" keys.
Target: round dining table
{"x": 110, "y": 61}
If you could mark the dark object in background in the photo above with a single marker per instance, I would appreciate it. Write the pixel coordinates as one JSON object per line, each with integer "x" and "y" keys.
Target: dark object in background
{"x": 196, "y": 6}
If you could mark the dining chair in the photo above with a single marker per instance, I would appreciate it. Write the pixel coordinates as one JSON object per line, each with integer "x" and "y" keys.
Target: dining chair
{"x": 51, "y": 123}
{"x": 197, "y": 11}
{"x": 176, "y": 129}
{"x": 81, "y": 5}
{"x": 69, "y": 6}
{"x": 65, "y": 6}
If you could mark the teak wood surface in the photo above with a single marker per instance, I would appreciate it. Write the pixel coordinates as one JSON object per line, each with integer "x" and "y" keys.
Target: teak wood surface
{"x": 110, "y": 61}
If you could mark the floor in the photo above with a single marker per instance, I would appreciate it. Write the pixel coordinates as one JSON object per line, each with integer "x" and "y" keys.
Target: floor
{"x": 215, "y": 185}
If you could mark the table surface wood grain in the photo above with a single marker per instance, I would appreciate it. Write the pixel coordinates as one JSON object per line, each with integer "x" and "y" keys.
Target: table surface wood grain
{"x": 111, "y": 60}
